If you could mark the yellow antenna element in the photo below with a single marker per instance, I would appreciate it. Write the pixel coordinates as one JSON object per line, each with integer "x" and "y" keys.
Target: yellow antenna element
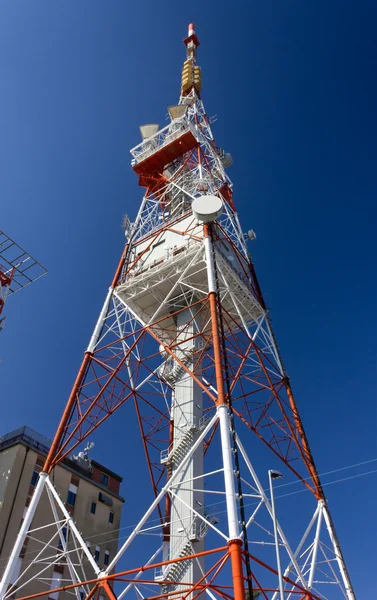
{"x": 191, "y": 77}
{"x": 197, "y": 78}
{"x": 187, "y": 77}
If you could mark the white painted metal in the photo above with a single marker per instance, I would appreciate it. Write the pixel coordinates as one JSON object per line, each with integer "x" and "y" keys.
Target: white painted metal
{"x": 73, "y": 527}
{"x": 43, "y": 477}
{"x": 63, "y": 540}
{"x": 50, "y": 560}
{"x": 338, "y": 553}
{"x": 300, "y": 545}
{"x": 207, "y": 208}
{"x": 187, "y": 411}
{"x": 99, "y": 324}
{"x": 193, "y": 260}
{"x": 281, "y": 584}
{"x": 162, "y": 493}
{"x": 269, "y": 508}
{"x": 210, "y": 265}
{"x": 315, "y": 545}
{"x": 199, "y": 515}
{"x": 139, "y": 574}
{"x": 161, "y": 138}
{"x": 227, "y": 455}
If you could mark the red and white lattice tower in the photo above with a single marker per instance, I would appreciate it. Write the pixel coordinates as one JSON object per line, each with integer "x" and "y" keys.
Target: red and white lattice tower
{"x": 184, "y": 338}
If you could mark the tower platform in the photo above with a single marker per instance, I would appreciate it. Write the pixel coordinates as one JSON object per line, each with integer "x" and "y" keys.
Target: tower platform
{"x": 171, "y": 273}
{"x": 162, "y": 148}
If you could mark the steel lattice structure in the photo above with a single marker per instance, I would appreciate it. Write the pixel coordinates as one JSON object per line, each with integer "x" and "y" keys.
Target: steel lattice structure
{"x": 184, "y": 336}
{"x": 17, "y": 270}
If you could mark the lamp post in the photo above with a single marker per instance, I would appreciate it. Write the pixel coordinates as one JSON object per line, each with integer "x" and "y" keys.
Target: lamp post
{"x": 276, "y": 475}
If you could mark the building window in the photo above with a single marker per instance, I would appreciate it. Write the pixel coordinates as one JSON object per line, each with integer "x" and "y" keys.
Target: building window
{"x": 104, "y": 479}
{"x": 72, "y": 493}
{"x": 93, "y": 507}
{"x": 55, "y": 583}
{"x": 105, "y": 499}
{"x": 106, "y": 558}
{"x": 96, "y": 553}
{"x": 111, "y": 517}
{"x": 64, "y": 534}
{"x": 34, "y": 478}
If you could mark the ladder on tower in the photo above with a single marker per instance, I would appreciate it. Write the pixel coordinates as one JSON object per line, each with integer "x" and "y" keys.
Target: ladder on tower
{"x": 174, "y": 455}
{"x": 175, "y": 572}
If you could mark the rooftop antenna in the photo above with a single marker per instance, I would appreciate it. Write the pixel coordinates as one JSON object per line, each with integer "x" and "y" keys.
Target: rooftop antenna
{"x": 18, "y": 269}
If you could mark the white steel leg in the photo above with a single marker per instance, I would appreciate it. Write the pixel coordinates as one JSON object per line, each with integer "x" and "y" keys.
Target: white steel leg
{"x": 139, "y": 574}
{"x": 298, "y": 549}
{"x": 276, "y": 536}
{"x": 43, "y": 477}
{"x": 230, "y": 494}
{"x": 63, "y": 540}
{"x": 338, "y": 553}
{"x": 268, "y": 506}
{"x": 101, "y": 318}
{"x": 72, "y": 525}
{"x": 315, "y": 545}
{"x": 210, "y": 266}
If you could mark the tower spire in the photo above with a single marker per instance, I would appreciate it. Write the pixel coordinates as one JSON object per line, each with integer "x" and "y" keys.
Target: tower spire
{"x": 191, "y": 72}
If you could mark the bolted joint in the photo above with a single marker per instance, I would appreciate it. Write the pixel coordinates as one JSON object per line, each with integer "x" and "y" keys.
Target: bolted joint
{"x": 234, "y": 542}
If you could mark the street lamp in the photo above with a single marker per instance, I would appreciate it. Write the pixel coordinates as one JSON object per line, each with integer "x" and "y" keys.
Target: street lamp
{"x": 276, "y": 475}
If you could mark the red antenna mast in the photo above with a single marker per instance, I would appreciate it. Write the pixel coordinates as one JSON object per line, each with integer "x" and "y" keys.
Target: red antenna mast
{"x": 17, "y": 270}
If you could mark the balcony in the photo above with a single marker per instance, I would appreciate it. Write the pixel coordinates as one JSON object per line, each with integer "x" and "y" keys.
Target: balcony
{"x": 156, "y": 152}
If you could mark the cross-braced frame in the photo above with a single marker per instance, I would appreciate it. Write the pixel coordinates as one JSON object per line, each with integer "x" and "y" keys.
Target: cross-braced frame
{"x": 184, "y": 338}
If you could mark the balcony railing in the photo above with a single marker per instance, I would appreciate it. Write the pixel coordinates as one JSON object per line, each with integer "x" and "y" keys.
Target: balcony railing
{"x": 163, "y": 137}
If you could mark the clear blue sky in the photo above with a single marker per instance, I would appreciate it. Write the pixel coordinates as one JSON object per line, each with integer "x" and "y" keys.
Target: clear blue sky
{"x": 293, "y": 85}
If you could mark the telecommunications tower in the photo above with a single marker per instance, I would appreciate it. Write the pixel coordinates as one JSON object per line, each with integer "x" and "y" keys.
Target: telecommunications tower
{"x": 184, "y": 340}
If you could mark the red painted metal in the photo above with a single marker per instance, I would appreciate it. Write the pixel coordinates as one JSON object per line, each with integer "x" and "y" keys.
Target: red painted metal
{"x": 166, "y": 154}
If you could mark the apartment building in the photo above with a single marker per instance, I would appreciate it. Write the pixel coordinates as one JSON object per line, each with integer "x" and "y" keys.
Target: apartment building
{"x": 91, "y": 493}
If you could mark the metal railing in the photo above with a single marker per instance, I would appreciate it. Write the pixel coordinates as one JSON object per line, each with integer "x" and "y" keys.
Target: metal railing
{"x": 196, "y": 425}
{"x": 197, "y": 531}
{"x": 162, "y": 138}
{"x": 189, "y": 248}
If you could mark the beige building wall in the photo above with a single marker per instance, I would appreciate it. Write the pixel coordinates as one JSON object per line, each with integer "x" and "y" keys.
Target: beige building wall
{"x": 9, "y": 464}
{"x": 17, "y": 464}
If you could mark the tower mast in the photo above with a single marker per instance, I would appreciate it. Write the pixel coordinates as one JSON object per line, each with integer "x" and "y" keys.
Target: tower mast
{"x": 184, "y": 337}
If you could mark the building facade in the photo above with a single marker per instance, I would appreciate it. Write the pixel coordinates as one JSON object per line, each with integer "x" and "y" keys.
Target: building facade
{"x": 91, "y": 495}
